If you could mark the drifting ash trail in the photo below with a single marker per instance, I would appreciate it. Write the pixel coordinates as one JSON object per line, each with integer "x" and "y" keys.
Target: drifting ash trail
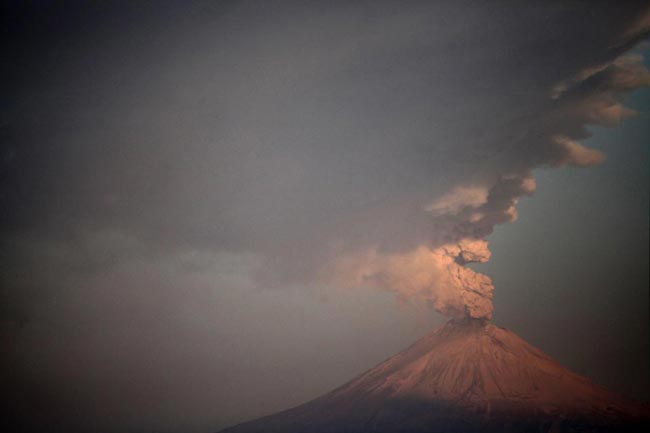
{"x": 467, "y": 376}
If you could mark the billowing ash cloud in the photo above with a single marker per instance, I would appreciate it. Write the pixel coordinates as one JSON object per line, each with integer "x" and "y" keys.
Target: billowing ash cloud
{"x": 435, "y": 276}
{"x": 355, "y": 144}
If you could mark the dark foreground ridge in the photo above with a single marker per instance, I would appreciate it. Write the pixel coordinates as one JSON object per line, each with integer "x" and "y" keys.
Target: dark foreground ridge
{"x": 467, "y": 376}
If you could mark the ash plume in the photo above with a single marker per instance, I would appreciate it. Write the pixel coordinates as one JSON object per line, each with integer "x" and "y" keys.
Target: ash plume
{"x": 417, "y": 244}
{"x": 434, "y": 271}
{"x": 437, "y": 276}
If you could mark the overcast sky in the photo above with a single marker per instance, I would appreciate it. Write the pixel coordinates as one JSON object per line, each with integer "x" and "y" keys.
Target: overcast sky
{"x": 210, "y": 211}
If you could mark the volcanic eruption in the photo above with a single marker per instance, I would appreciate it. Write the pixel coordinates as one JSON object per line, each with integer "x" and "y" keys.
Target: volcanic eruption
{"x": 204, "y": 206}
{"x": 469, "y": 375}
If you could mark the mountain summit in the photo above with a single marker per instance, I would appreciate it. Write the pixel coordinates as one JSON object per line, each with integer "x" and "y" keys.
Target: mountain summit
{"x": 467, "y": 376}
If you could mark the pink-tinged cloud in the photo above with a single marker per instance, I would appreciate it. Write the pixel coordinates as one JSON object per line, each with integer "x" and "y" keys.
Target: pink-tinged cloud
{"x": 576, "y": 154}
{"x": 437, "y": 277}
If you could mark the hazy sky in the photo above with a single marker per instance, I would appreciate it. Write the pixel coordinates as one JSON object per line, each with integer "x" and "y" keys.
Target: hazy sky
{"x": 210, "y": 211}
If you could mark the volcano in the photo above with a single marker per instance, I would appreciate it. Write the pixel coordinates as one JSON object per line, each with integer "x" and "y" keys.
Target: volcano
{"x": 467, "y": 376}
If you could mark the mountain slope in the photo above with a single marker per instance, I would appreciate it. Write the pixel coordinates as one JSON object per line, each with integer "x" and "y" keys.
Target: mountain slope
{"x": 466, "y": 376}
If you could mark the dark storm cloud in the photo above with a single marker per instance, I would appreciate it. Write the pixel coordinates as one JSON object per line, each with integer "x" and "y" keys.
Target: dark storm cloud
{"x": 259, "y": 145}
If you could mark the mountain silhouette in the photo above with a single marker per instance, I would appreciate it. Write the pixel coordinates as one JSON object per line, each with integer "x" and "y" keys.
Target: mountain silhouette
{"x": 466, "y": 376}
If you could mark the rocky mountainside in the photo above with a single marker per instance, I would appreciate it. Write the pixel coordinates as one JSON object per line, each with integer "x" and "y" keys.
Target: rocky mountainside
{"x": 467, "y": 376}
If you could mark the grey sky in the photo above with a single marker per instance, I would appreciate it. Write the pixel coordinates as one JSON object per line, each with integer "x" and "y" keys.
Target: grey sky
{"x": 208, "y": 209}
